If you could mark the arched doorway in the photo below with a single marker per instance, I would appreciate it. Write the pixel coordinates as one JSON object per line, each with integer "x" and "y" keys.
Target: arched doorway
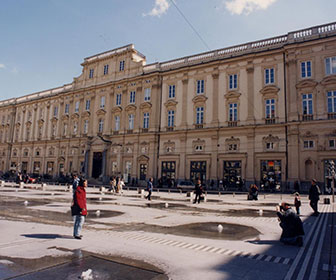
{"x": 309, "y": 170}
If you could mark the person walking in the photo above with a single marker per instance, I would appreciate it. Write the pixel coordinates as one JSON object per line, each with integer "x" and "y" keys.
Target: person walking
{"x": 314, "y": 196}
{"x": 121, "y": 185}
{"x": 291, "y": 224}
{"x": 78, "y": 209}
{"x": 149, "y": 188}
{"x": 113, "y": 184}
{"x": 198, "y": 191}
{"x": 75, "y": 183}
{"x": 297, "y": 202}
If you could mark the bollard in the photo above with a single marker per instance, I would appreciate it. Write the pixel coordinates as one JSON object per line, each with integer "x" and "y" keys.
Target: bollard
{"x": 205, "y": 198}
{"x": 44, "y": 185}
{"x": 219, "y": 193}
{"x": 191, "y": 197}
{"x": 142, "y": 193}
{"x": 264, "y": 196}
{"x": 281, "y": 196}
{"x": 169, "y": 191}
{"x": 180, "y": 191}
{"x": 2, "y": 183}
{"x": 21, "y": 185}
{"x": 233, "y": 194}
{"x": 158, "y": 191}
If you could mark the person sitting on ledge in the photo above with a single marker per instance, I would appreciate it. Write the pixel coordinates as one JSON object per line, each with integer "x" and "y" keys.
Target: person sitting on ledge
{"x": 253, "y": 192}
{"x": 291, "y": 224}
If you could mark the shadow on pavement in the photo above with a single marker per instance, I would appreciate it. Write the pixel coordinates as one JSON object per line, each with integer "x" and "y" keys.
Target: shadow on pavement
{"x": 47, "y": 236}
{"x": 281, "y": 261}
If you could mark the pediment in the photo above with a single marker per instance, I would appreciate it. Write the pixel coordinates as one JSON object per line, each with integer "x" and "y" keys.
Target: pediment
{"x": 101, "y": 112}
{"x": 28, "y": 123}
{"x": 143, "y": 158}
{"x": 146, "y": 105}
{"x": 199, "y": 98}
{"x": 308, "y": 134}
{"x": 74, "y": 116}
{"x": 65, "y": 117}
{"x": 270, "y": 89}
{"x": 18, "y": 125}
{"x": 329, "y": 80}
{"x": 86, "y": 114}
{"x": 309, "y": 83}
{"x": 271, "y": 138}
{"x": 116, "y": 109}
{"x": 61, "y": 159}
{"x": 232, "y": 94}
{"x": 130, "y": 107}
{"x": 40, "y": 122}
{"x": 54, "y": 119}
{"x": 232, "y": 140}
{"x": 171, "y": 103}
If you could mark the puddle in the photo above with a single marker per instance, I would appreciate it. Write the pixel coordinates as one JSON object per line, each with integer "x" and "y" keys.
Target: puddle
{"x": 47, "y": 194}
{"x": 73, "y": 263}
{"x": 200, "y": 230}
{"x": 16, "y": 190}
{"x": 249, "y": 213}
{"x": 99, "y": 200}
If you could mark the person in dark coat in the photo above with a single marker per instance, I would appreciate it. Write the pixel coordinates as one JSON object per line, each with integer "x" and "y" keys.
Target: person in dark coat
{"x": 149, "y": 188}
{"x": 78, "y": 209}
{"x": 291, "y": 224}
{"x": 253, "y": 192}
{"x": 198, "y": 191}
{"x": 314, "y": 196}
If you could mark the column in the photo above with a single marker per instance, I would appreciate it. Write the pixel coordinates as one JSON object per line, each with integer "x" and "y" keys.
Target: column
{"x": 250, "y": 93}
{"x": 184, "y": 102}
{"x": 215, "y": 100}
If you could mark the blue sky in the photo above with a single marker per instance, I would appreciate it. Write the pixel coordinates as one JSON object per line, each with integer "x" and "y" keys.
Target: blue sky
{"x": 43, "y": 42}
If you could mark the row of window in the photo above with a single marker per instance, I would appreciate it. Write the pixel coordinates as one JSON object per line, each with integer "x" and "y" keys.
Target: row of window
{"x": 106, "y": 69}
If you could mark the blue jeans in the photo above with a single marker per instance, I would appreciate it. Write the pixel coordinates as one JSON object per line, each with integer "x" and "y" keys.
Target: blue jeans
{"x": 78, "y": 224}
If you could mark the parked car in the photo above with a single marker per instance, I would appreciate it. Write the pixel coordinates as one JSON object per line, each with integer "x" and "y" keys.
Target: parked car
{"x": 185, "y": 185}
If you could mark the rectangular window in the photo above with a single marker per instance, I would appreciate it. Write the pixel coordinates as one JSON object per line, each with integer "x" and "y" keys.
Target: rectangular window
{"x": 77, "y": 107}
{"x": 269, "y": 146}
{"x": 87, "y": 104}
{"x": 91, "y": 71}
{"x": 146, "y": 120}
{"x": 330, "y": 64}
{"x": 117, "y": 123}
{"x": 132, "y": 97}
{"x": 100, "y": 125}
{"x": 305, "y": 69}
{"x": 233, "y": 112}
{"x": 270, "y": 108}
{"x": 86, "y": 126}
{"x": 332, "y": 143}
{"x": 308, "y": 144}
{"x": 131, "y": 121}
{"x": 65, "y": 129}
{"x": 118, "y": 99}
{"x": 102, "y": 102}
{"x": 122, "y": 65}
{"x": 233, "y": 81}
{"x": 171, "y": 93}
{"x": 75, "y": 128}
{"x": 66, "y": 109}
{"x": 331, "y": 100}
{"x": 147, "y": 94}
{"x": 199, "y": 115}
{"x": 200, "y": 86}
{"x": 55, "y": 111}
{"x": 171, "y": 116}
{"x": 269, "y": 76}
{"x": 307, "y": 104}
{"x": 106, "y": 67}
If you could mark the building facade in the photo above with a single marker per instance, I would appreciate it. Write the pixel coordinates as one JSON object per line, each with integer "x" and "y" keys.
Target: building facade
{"x": 263, "y": 111}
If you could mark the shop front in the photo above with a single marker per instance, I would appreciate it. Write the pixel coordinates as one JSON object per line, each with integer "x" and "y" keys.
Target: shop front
{"x": 198, "y": 171}
{"x": 270, "y": 177}
{"x": 328, "y": 171}
{"x": 168, "y": 172}
{"x": 232, "y": 174}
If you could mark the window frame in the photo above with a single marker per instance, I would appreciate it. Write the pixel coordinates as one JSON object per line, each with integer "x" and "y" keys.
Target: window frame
{"x": 329, "y": 67}
{"x": 269, "y": 76}
{"x": 171, "y": 91}
{"x": 306, "y": 69}
{"x": 200, "y": 86}
{"x": 233, "y": 81}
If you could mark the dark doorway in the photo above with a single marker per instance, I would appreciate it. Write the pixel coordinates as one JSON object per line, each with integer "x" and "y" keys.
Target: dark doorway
{"x": 143, "y": 171}
{"x": 97, "y": 164}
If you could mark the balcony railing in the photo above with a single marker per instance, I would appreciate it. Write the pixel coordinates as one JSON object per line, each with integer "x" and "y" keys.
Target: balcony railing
{"x": 269, "y": 120}
{"x": 232, "y": 123}
{"x": 144, "y": 130}
{"x": 129, "y": 131}
{"x": 331, "y": 116}
{"x": 307, "y": 118}
{"x": 115, "y": 132}
{"x": 170, "y": 128}
{"x": 198, "y": 126}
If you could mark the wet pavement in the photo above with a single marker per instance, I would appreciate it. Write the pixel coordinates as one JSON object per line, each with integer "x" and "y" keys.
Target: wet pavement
{"x": 73, "y": 265}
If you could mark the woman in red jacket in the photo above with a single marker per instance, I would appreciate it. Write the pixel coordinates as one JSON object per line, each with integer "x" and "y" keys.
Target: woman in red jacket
{"x": 79, "y": 210}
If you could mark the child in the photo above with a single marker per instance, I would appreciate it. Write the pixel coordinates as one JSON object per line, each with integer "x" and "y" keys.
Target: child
{"x": 297, "y": 202}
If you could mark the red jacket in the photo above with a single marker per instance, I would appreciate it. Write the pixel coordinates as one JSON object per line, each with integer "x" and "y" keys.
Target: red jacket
{"x": 80, "y": 200}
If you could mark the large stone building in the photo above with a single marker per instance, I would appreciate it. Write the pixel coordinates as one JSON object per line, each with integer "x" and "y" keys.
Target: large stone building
{"x": 264, "y": 111}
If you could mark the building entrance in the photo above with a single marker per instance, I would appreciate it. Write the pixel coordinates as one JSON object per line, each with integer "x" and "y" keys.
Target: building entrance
{"x": 97, "y": 164}
{"x": 270, "y": 177}
{"x": 328, "y": 175}
{"x": 232, "y": 175}
{"x": 168, "y": 172}
{"x": 198, "y": 170}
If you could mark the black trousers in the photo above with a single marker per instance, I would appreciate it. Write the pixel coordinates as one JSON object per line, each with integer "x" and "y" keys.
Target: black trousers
{"x": 314, "y": 205}
{"x": 198, "y": 195}
{"x": 149, "y": 195}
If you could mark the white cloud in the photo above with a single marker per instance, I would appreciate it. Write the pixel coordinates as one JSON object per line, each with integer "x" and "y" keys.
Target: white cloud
{"x": 2, "y": 66}
{"x": 160, "y": 8}
{"x": 239, "y": 7}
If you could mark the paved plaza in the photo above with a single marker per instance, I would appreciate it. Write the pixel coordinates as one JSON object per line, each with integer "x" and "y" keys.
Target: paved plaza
{"x": 126, "y": 236}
